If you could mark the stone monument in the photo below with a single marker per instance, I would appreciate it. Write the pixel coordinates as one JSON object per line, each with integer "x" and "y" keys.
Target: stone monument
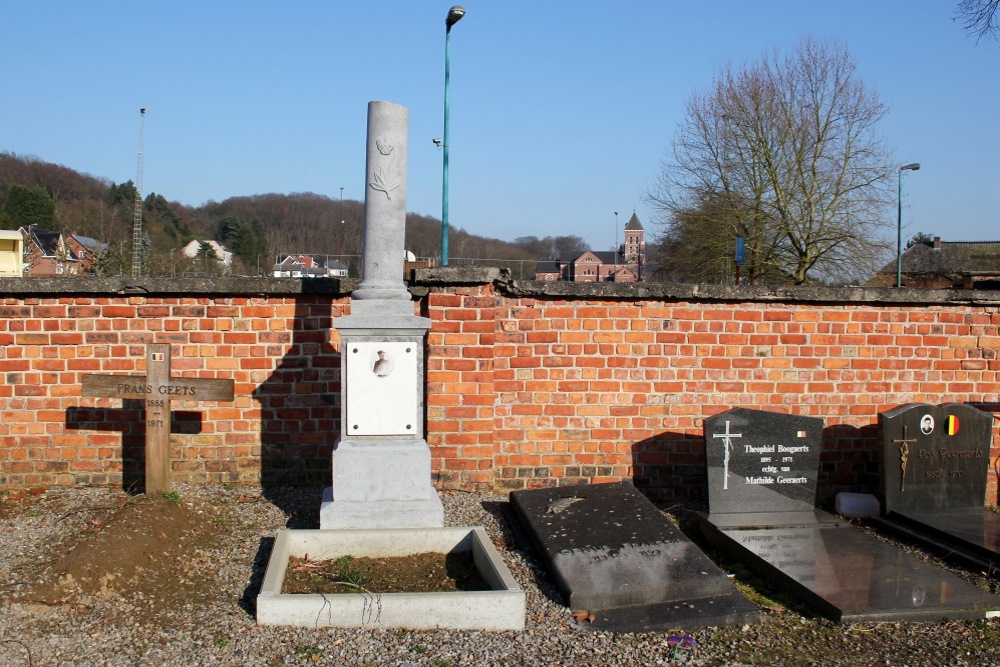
{"x": 762, "y": 479}
{"x": 935, "y": 462}
{"x": 381, "y": 463}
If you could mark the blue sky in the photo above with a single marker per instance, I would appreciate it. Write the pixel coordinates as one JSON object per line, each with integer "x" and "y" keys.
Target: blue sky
{"x": 561, "y": 112}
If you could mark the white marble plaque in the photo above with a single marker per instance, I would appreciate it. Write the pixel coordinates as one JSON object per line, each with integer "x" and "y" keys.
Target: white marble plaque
{"x": 381, "y": 396}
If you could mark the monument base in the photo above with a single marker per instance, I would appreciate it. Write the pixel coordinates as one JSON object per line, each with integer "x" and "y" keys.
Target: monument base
{"x": 380, "y": 483}
{"x": 428, "y": 513}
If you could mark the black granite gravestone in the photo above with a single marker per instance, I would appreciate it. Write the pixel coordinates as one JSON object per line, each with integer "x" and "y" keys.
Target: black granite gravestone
{"x": 936, "y": 459}
{"x": 616, "y": 556}
{"x": 762, "y": 462}
{"x": 762, "y": 470}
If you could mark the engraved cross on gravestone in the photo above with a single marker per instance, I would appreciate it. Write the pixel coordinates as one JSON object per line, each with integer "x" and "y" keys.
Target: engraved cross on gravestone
{"x": 157, "y": 389}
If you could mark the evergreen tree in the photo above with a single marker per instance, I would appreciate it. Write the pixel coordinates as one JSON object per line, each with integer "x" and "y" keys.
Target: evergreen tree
{"x": 28, "y": 206}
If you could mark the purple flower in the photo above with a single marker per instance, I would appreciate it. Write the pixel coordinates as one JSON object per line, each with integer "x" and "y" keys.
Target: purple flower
{"x": 685, "y": 642}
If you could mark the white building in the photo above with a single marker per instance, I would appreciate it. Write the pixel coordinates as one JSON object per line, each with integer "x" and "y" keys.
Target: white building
{"x": 191, "y": 250}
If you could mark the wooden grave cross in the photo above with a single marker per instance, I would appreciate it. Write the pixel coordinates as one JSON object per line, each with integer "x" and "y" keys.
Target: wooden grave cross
{"x": 157, "y": 389}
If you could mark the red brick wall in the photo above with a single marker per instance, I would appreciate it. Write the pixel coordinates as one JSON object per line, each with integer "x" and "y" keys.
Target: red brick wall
{"x": 279, "y": 429}
{"x": 534, "y": 390}
{"x": 528, "y": 384}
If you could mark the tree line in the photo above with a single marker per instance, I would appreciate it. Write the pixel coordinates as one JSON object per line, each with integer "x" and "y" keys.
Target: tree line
{"x": 256, "y": 228}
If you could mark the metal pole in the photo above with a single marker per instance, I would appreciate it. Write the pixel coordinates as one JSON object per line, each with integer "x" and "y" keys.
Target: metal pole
{"x": 444, "y": 176}
{"x": 899, "y": 222}
{"x": 899, "y": 232}
{"x": 454, "y": 16}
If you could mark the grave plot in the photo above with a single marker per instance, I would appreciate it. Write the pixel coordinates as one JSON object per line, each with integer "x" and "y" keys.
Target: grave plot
{"x": 935, "y": 464}
{"x": 762, "y": 473}
{"x": 382, "y": 503}
{"x": 157, "y": 388}
{"x": 621, "y": 564}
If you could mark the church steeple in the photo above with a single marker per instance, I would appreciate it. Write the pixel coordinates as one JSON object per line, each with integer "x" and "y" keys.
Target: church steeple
{"x": 635, "y": 245}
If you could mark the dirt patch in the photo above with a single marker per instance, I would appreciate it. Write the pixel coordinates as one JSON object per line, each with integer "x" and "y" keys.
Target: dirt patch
{"x": 151, "y": 552}
{"x": 416, "y": 573}
{"x": 12, "y": 502}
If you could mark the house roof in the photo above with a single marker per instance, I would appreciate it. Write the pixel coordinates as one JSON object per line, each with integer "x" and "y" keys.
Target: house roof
{"x": 607, "y": 256}
{"x": 633, "y": 223}
{"x": 88, "y": 242}
{"x": 968, "y": 258}
{"x": 47, "y": 242}
{"x": 311, "y": 261}
{"x": 548, "y": 266}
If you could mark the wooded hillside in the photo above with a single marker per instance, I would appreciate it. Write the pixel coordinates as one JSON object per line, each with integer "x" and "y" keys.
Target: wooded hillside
{"x": 256, "y": 227}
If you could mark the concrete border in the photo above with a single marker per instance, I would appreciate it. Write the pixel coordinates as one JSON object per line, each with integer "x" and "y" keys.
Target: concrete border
{"x": 502, "y": 608}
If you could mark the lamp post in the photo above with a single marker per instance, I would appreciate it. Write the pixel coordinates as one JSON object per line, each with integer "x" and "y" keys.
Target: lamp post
{"x": 899, "y": 222}
{"x": 455, "y": 14}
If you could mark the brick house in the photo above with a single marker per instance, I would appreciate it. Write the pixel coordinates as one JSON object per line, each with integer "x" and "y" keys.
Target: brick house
{"x": 49, "y": 253}
{"x": 626, "y": 265}
{"x": 941, "y": 264}
{"x": 308, "y": 266}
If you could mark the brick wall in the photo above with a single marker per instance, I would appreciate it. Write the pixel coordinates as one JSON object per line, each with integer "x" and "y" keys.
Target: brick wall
{"x": 528, "y": 384}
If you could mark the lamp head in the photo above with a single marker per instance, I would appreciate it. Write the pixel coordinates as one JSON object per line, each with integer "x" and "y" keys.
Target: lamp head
{"x": 913, "y": 166}
{"x": 455, "y": 15}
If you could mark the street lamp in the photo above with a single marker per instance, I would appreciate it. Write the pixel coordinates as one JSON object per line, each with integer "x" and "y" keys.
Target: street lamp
{"x": 899, "y": 222}
{"x": 455, "y": 14}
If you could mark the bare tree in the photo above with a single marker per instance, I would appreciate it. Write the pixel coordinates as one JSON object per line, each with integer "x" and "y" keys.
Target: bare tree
{"x": 978, "y": 18}
{"x": 784, "y": 153}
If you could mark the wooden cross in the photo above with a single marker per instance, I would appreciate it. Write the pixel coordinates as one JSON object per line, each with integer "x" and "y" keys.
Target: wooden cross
{"x": 157, "y": 389}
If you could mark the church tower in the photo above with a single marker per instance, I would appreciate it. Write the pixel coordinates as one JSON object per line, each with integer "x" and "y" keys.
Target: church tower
{"x": 634, "y": 249}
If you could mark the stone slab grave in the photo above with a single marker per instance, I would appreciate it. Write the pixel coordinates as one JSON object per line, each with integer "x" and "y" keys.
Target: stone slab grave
{"x": 762, "y": 476}
{"x": 935, "y": 466}
{"x": 501, "y": 607}
{"x": 613, "y": 554}
{"x": 157, "y": 388}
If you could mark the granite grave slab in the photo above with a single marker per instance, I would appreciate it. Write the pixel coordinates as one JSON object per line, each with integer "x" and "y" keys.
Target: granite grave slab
{"x": 614, "y": 554}
{"x": 936, "y": 461}
{"x": 761, "y": 461}
{"x": 762, "y": 473}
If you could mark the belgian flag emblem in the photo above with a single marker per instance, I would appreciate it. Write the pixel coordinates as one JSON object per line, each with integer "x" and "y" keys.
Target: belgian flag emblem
{"x": 952, "y": 424}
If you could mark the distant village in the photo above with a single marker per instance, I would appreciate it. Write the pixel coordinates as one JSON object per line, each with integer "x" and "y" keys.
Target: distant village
{"x": 32, "y": 252}
{"x": 929, "y": 264}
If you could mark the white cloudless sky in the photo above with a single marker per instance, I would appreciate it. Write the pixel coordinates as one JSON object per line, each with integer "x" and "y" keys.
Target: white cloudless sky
{"x": 561, "y": 111}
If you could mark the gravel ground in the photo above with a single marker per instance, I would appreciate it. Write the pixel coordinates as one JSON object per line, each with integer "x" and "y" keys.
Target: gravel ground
{"x": 120, "y": 628}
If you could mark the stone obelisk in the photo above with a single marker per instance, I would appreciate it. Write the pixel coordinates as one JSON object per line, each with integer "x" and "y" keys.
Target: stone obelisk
{"x": 382, "y": 464}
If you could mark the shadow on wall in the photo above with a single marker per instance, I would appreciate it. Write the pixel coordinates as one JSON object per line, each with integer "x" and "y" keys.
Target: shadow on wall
{"x": 850, "y": 461}
{"x": 300, "y": 410}
{"x": 130, "y": 421}
{"x": 994, "y": 466}
{"x": 670, "y": 467}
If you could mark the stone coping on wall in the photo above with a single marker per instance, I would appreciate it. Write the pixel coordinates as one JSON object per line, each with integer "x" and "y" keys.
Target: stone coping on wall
{"x": 423, "y": 281}
{"x": 427, "y": 279}
{"x": 215, "y": 285}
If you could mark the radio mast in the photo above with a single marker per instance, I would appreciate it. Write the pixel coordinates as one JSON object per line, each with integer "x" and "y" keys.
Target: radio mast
{"x": 137, "y": 216}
